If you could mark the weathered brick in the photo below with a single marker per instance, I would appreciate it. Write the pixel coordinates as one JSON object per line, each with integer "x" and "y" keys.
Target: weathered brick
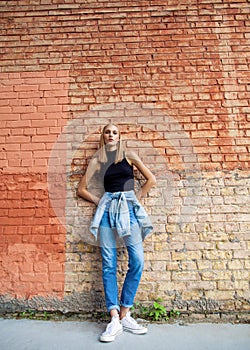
{"x": 220, "y": 295}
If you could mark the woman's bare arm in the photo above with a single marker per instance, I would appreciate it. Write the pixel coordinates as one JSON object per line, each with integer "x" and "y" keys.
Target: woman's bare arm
{"x": 82, "y": 188}
{"x": 135, "y": 160}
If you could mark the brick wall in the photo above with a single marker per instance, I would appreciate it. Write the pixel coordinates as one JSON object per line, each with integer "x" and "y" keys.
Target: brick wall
{"x": 34, "y": 107}
{"x": 175, "y": 76}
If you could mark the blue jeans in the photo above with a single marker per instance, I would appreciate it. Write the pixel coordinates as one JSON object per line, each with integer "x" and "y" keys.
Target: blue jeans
{"x": 133, "y": 242}
{"x": 132, "y": 280}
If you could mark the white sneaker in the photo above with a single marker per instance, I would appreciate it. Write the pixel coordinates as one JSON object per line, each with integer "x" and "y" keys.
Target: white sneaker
{"x": 113, "y": 329}
{"x": 129, "y": 324}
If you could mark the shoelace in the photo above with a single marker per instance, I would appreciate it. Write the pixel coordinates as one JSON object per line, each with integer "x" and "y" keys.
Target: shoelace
{"x": 132, "y": 321}
{"x": 110, "y": 326}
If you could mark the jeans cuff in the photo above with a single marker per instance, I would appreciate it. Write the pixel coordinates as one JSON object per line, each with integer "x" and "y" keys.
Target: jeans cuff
{"x": 113, "y": 307}
{"x": 126, "y": 305}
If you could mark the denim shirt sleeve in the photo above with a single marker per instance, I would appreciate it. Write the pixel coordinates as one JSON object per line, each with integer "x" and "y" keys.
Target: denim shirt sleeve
{"x": 119, "y": 214}
{"x": 95, "y": 223}
{"x": 142, "y": 218}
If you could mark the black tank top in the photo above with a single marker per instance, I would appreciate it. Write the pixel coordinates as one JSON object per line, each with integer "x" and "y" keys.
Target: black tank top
{"x": 117, "y": 177}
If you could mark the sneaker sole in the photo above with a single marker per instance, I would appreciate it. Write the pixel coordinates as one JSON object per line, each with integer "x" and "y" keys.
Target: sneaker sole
{"x": 136, "y": 331}
{"x": 110, "y": 338}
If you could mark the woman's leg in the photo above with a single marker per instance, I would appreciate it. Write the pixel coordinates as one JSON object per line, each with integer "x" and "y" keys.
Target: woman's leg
{"x": 133, "y": 277}
{"x": 115, "y": 327}
{"x": 129, "y": 289}
{"x": 135, "y": 264}
{"x": 109, "y": 263}
{"x": 109, "y": 268}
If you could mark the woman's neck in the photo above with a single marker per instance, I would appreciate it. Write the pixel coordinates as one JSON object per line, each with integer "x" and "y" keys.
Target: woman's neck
{"x": 111, "y": 148}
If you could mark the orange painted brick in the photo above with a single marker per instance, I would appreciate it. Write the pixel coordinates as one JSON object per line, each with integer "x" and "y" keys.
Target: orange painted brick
{"x": 204, "y": 134}
{"x": 28, "y": 87}
{"x": 10, "y": 116}
{"x": 55, "y": 93}
{"x": 55, "y": 267}
{"x": 37, "y": 81}
{"x": 34, "y": 277}
{"x": 18, "y": 139}
{"x": 56, "y": 276}
{"x": 21, "y": 213}
{"x": 39, "y": 163}
{"x": 49, "y": 108}
{"x": 32, "y": 95}
{"x": 33, "y": 115}
{"x": 8, "y": 95}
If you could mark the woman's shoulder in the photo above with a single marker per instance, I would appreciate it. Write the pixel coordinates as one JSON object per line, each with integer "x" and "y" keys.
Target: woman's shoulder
{"x": 131, "y": 157}
{"x": 94, "y": 163}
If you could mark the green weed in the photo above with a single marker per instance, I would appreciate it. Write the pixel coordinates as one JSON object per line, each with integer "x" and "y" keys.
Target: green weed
{"x": 155, "y": 312}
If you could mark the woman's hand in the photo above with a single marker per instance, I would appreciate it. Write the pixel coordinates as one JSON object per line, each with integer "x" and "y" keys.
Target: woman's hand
{"x": 134, "y": 159}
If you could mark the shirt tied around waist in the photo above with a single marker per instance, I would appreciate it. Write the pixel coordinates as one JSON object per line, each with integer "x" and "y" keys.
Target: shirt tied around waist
{"x": 117, "y": 205}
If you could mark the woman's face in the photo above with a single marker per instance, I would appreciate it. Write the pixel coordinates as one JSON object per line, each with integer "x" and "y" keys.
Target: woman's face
{"x": 111, "y": 135}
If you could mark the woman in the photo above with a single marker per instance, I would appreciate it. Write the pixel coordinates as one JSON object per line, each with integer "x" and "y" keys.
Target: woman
{"x": 119, "y": 216}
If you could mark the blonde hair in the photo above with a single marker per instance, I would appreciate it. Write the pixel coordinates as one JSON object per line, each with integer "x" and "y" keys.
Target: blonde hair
{"x": 102, "y": 154}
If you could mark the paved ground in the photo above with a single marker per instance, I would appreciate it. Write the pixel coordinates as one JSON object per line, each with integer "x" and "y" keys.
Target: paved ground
{"x": 69, "y": 335}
